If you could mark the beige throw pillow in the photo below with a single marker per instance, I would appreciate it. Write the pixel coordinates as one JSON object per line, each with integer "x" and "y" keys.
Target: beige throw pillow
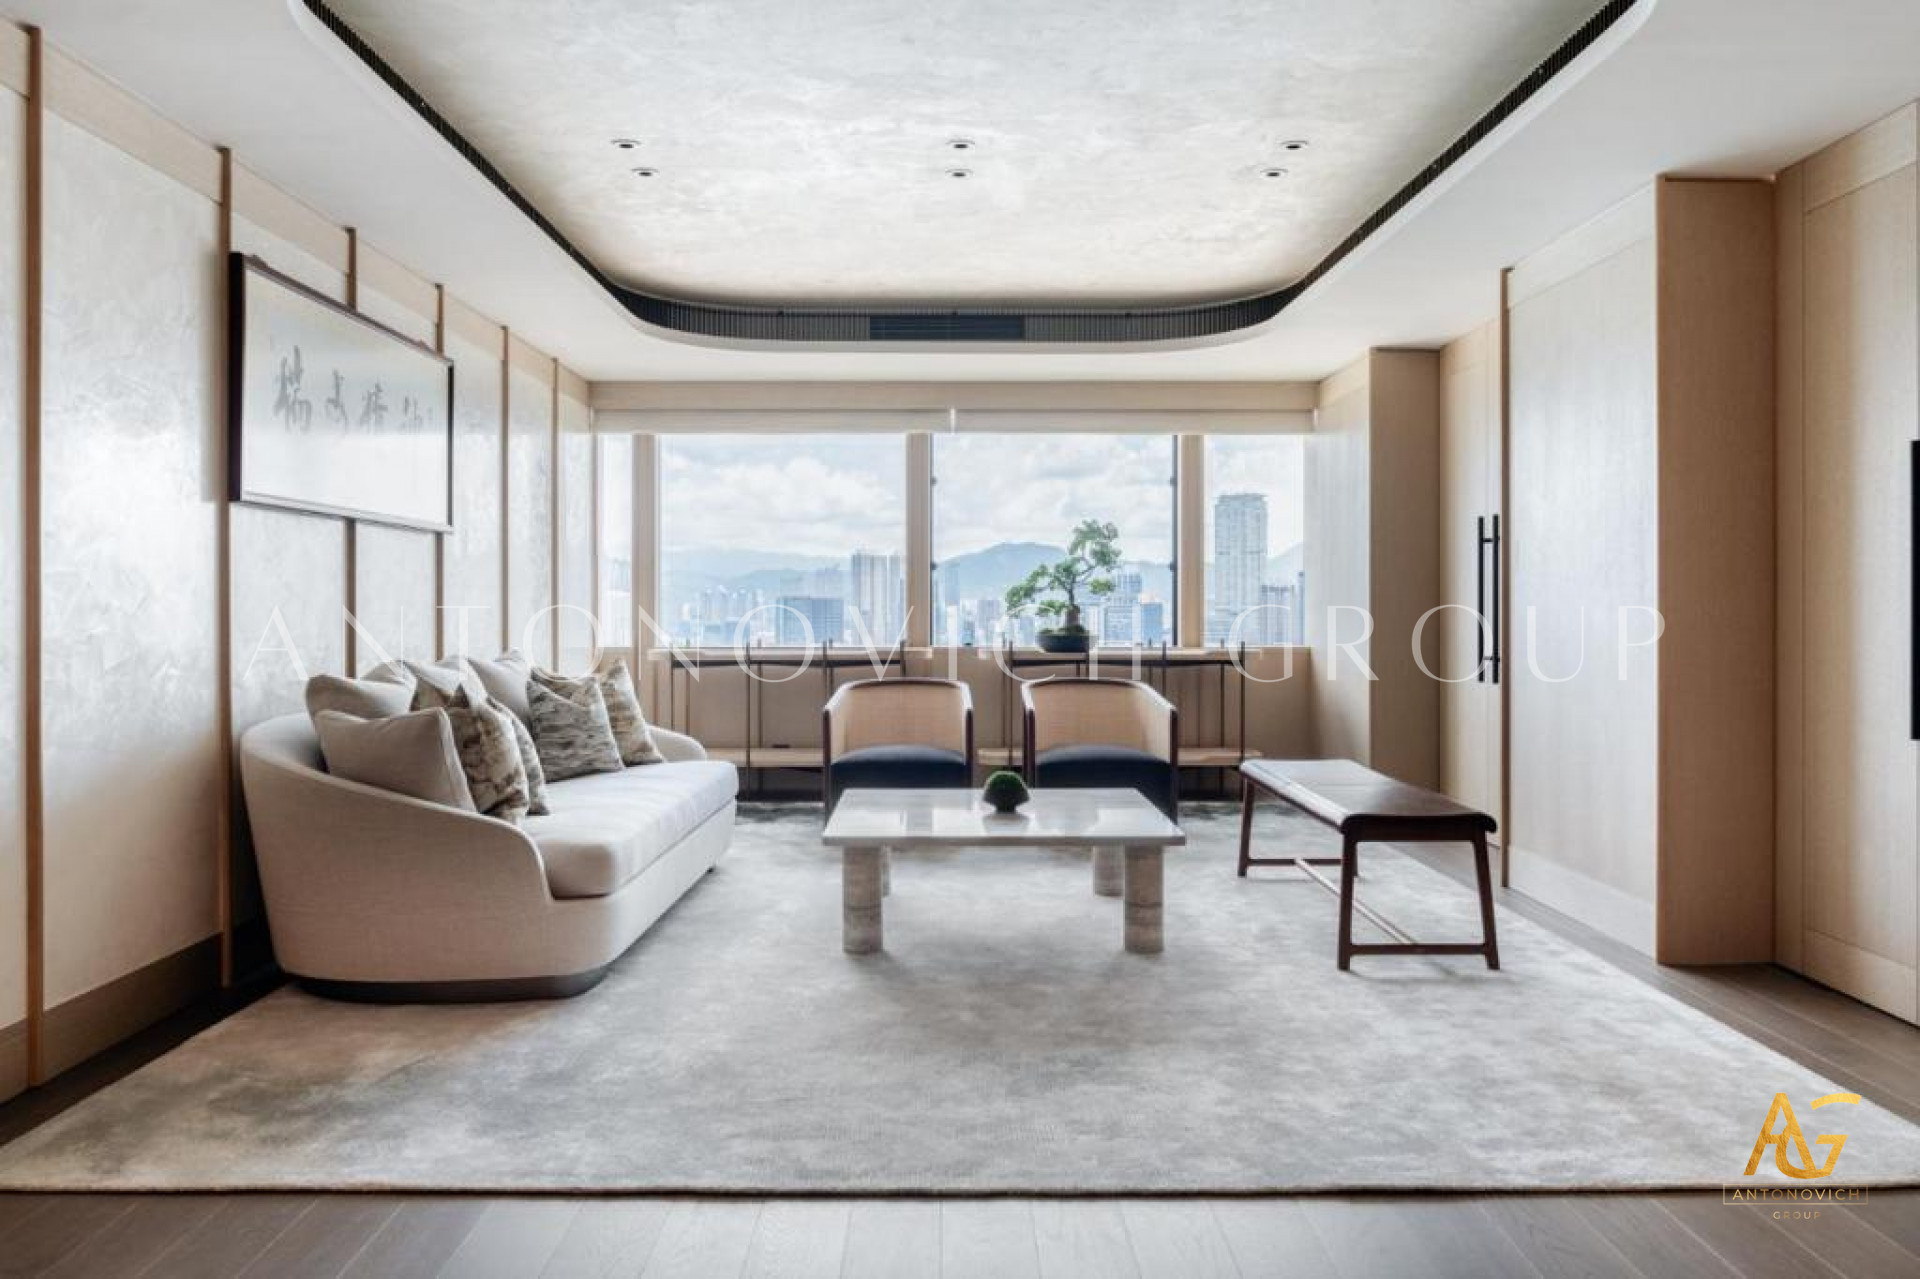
{"x": 570, "y": 728}
{"x": 361, "y": 698}
{"x": 412, "y": 753}
{"x": 505, "y": 678}
{"x": 489, "y": 751}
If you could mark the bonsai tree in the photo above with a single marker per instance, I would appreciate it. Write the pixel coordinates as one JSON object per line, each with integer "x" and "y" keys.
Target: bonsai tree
{"x": 1053, "y": 590}
{"x": 1005, "y": 791}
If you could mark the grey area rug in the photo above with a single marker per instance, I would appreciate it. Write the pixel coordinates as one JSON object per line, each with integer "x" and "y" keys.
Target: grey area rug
{"x": 1004, "y": 1043}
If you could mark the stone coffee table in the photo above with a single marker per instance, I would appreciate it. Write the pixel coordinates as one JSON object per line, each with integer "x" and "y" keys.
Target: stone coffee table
{"x": 1126, "y": 833}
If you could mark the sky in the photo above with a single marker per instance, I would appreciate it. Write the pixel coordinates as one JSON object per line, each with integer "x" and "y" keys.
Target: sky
{"x": 827, "y": 495}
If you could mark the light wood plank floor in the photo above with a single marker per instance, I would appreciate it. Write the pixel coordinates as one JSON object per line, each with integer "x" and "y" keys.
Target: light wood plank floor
{"x": 1342, "y": 1237}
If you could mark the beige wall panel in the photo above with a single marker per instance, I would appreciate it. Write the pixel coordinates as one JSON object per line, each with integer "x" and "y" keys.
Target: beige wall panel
{"x": 396, "y": 315}
{"x": 1884, "y": 147}
{"x": 1469, "y": 418}
{"x": 263, "y": 205}
{"x": 132, "y": 334}
{"x": 530, "y": 476}
{"x": 577, "y": 631}
{"x": 393, "y": 596}
{"x": 1715, "y": 507}
{"x": 16, "y": 59}
{"x": 1405, "y": 570}
{"x": 110, "y": 113}
{"x": 475, "y": 617}
{"x": 13, "y": 854}
{"x": 1339, "y": 513}
{"x": 1860, "y": 411}
{"x": 289, "y": 258}
{"x": 1582, "y": 452}
{"x": 1790, "y": 616}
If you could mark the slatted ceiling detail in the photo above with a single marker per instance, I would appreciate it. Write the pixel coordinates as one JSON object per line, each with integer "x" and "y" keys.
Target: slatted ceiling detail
{"x": 268, "y": 207}
{"x": 529, "y": 359}
{"x": 111, "y": 113}
{"x": 463, "y": 322}
{"x": 378, "y": 273}
{"x": 16, "y": 59}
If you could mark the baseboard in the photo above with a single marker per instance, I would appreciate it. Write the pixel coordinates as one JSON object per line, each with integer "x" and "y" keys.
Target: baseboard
{"x": 13, "y": 1060}
{"x": 96, "y": 1021}
{"x": 1621, "y": 916}
{"x": 1873, "y": 979}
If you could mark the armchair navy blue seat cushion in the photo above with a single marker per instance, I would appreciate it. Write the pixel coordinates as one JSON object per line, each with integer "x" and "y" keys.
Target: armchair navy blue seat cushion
{"x": 1110, "y": 766}
{"x": 897, "y": 768}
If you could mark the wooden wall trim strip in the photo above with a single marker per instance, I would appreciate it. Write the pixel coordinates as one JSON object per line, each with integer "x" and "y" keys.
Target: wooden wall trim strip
{"x": 1624, "y": 225}
{"x": 506, "y": 494}
{"x": 529, "y": 359}
{"x": 1862, "y": 158}
{"x": 1190, "y": 515}
{"x": 1790, "y": 531}
{"x": 378, "y": 273}
{"x": 462, "y": 321}
{"x": 1171, "y": 397}
{"x": 109, "y": 112}
{"x": 33, "y": 736}
{"x": 556, "y": 595}
{"x": 439, "y": 539}
{"x": 16, "y": 61}
{"x": 223, "y": 542}
{"x": 271, "y": 209}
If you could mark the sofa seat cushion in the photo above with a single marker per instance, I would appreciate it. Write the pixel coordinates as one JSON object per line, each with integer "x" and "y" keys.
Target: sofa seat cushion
{"x": 1108, "y": 766}
{"x": 897, "y": 767}
{"x": 606, "y": 828}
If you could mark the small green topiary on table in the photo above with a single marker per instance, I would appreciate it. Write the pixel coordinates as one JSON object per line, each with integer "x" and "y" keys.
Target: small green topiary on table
{"x": 1005, "y": 791}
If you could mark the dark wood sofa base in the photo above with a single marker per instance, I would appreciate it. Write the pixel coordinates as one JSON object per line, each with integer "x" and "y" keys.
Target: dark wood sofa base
{"x": 497, "y": 991}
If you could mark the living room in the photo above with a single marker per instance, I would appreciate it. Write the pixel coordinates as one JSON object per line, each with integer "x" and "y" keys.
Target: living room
{"x": 1311, "y": 678}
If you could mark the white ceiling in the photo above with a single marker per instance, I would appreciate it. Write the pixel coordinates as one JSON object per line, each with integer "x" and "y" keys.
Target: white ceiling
{"x": 1723, "y": 87}
{"x": 801, "y": 152}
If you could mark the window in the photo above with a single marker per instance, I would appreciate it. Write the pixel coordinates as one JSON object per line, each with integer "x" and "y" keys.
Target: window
{"x": 616, "y": 541}
{"x": 783, "y": 540}
{"x": 1003, "y": 504}
{"x": 1256, "y": 529}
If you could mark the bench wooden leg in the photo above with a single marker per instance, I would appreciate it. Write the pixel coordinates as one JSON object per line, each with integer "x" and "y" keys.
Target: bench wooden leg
{"x": 1246, "y": 826}
{"x": 1349, "y": 867}
{"x": 1483, "y": 871}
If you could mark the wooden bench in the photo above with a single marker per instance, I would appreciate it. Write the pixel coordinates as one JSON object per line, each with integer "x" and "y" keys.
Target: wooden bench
{"x": 1369, "y": 807}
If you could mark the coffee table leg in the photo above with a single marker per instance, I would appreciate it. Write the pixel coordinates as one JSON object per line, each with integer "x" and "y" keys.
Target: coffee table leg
{"x": 1144, "y": 935}
{"x": 1107, "y": 873}
{"x": 860, "y": 895}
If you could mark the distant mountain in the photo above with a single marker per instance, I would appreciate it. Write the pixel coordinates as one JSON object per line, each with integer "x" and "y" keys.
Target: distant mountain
{"x": 698, "y": 567}
{"x": 986, "y": 574}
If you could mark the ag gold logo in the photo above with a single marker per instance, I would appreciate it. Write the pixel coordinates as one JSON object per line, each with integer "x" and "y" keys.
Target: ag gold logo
{"x": 1797, "y": 1162}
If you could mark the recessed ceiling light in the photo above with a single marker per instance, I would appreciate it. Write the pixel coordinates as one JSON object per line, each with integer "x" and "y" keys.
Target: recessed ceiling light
{"x": 645, "y": 173}
{"x": 626, "y": 144}
{"x": 1273, "y": 173}
{"x": 959, "y": 173}
{"x": 960, "y": 144}
{"x": 1297, "y": 144}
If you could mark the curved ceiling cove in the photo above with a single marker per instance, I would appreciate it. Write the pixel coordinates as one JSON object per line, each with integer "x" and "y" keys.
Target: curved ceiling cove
{"x": 1098, "y": 174}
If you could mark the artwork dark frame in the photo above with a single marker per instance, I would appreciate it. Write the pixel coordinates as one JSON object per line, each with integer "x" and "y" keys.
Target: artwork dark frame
{"x": 341, "y": 468}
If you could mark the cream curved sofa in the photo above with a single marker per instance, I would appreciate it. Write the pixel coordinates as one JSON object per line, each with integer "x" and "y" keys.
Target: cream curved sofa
{"x": 375, "y": 895}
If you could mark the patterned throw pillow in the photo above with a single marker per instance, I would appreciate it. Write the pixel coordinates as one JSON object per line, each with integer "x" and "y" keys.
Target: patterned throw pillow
{"x": 629, "y": 721}
{"x": 530, "y": 759}
{"x": 570, "y": 728}
{"x": 489, "y": 752}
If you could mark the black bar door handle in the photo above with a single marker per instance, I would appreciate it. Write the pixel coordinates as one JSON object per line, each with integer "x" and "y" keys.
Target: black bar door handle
{"x": 1498, "y": 647}
{"x": 1479, "y": 599}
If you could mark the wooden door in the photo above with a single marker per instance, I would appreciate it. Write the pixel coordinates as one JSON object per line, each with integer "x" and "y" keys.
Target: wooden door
{"x": 1860, "y": 788}
{"x": 1471, "y": 429}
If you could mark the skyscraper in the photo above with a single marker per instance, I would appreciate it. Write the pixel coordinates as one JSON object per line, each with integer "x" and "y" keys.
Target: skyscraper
{"x": 1239, "y": 553}
{"x": 879, "y": 594}
{"x": 809, "y": 619}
